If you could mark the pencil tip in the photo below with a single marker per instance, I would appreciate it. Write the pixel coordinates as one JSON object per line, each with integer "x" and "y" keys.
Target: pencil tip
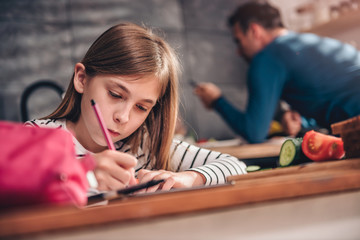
{"x": 92, "y": 102}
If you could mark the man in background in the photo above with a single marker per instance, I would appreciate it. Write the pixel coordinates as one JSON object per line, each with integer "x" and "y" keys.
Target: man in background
{"x": 318, "y": 77}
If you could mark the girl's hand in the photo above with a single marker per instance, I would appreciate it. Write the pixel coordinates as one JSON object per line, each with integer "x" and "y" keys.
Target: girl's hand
{"x": 114, "y": 170}
{"x": 172, "y": 179}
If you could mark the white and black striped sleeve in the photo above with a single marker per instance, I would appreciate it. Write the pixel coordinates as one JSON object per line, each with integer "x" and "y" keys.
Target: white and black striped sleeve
{"x": 215, "y": 166}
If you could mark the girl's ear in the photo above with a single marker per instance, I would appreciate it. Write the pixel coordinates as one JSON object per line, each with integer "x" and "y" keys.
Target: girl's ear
{"x": 79, "y": 77}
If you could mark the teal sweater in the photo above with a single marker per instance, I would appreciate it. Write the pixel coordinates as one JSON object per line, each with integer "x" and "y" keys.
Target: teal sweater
{"x": 318, "y": 77}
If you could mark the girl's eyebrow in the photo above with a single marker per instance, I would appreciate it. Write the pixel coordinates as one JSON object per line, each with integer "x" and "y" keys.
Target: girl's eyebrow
{"x": 150, "y": 101}
{"x": 123, "y": 87}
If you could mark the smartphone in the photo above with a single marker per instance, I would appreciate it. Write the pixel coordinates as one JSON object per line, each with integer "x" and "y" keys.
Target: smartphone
{"x": 193, "y": 83}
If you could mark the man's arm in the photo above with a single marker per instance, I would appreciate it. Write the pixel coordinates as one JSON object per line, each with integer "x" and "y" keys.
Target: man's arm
{"x": 266, "y": 80}
{"x": 208, "y": 93}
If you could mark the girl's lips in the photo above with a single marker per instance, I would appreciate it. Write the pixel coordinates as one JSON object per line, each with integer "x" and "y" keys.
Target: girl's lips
{"x": 113, "y": 134}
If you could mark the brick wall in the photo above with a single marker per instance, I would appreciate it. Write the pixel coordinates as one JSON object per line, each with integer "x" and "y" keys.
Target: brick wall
{"x": 43, "y": 39}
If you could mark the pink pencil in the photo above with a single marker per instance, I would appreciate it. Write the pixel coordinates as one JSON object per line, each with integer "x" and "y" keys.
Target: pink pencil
{"x": 102, "y": 125}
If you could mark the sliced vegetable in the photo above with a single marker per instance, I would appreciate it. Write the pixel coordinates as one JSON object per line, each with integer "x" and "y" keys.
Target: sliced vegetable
{"x": 320, "y": 147}
{"x": 290, "y": 152}
{"x": 252, "y": 168}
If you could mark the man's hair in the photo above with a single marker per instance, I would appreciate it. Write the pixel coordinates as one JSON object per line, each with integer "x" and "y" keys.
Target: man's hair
{"x": 259, "y": 12}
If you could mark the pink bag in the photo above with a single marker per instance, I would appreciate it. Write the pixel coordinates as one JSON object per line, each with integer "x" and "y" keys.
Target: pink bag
{"x": 38, "y": 166}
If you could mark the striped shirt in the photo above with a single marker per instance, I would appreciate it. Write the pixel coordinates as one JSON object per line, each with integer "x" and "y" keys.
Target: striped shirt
{"x": 215, "y": 166}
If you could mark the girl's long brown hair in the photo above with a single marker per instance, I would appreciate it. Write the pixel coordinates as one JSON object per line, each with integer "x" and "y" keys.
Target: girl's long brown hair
{"x": 130, "y": 50}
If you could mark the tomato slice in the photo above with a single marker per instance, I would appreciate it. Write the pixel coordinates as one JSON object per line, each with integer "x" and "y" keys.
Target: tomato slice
{"x": 320, "y": 147}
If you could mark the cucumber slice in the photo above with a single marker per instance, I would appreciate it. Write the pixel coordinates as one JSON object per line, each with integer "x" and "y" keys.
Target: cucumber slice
{"x": 290, "y": 152}
{"x": 252, "y": 168}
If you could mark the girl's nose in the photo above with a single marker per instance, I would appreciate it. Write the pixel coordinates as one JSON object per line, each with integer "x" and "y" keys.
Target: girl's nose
{"x": 122, "y": 115}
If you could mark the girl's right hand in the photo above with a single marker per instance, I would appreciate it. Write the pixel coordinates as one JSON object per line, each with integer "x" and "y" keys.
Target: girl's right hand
{"x": 114, "y": 170}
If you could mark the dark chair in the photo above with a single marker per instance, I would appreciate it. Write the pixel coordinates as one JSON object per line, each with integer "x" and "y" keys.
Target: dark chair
{"x": 49, "y": 84}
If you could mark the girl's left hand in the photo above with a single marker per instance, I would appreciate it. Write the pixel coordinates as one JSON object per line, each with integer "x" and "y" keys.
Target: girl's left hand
{"x": 172, "y": 179}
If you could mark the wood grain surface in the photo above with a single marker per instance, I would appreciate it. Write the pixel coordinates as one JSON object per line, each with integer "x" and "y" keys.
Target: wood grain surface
{"x": 247, "y": 151}
{"x": 292, "y": 182}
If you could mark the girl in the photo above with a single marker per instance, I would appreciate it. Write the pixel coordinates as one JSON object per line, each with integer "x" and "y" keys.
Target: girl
{"x": 132, "y": 74}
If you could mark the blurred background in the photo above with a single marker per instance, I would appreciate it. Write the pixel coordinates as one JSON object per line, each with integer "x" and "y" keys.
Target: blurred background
{"x": 43, "y": 39}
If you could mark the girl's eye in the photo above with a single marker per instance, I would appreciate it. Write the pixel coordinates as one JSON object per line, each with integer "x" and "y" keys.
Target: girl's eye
{"x": 141, "y": 108}
{"x": 115, "y": 95}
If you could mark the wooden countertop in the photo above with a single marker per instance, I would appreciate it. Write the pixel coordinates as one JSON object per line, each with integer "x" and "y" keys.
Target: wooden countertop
{"x": 247, "y": 151}
{"x": 284, "y": 183}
